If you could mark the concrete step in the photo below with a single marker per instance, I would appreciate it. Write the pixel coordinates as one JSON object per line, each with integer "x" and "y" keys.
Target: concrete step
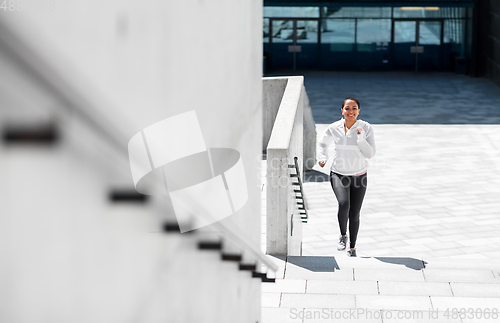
{"x": 369, "y": 307}
{"x": 426, "y": 290}
{"x": 384, "y": 288}
{"x": 414, "y": 263}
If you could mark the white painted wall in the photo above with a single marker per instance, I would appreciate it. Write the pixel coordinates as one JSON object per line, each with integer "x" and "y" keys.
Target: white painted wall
{"x": 68, "y": 255}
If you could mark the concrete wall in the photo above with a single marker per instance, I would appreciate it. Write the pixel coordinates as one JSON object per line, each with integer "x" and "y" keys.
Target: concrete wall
{"x": 273, "y": 89}
{"x": 68, "y": 253}
{"x": 284, "y": 225}
{"x": 272, "y": 93}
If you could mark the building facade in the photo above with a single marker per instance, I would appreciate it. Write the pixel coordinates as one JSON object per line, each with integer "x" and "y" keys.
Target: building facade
{"x": 372, "y": 35}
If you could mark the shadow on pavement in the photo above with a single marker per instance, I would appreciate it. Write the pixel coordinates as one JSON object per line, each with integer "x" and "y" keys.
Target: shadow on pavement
{"x": 315, "y": 176}
{"x": 314, "y": 263}
{"x": 412, "y": 263}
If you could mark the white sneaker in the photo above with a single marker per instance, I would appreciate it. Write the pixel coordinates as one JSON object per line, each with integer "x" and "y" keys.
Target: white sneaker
{"x": 342, "y": 243}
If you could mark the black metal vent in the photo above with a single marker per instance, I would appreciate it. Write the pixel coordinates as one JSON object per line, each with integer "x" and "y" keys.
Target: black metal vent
{"x": 250, "y": 267}
{"x": 231, "y": 257}
{"x": 209, "y": 245}
{"x": 30, "y": 135}
{"x": 127, "y": 196}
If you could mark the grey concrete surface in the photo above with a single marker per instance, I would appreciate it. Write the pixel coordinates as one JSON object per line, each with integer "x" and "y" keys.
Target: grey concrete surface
{"x": 272, "y": 93}
{"x": 284, "y": 224}
{"x": 429, "y": 241}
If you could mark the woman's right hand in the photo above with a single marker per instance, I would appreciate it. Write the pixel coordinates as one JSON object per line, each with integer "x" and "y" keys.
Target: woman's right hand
{"x": 322, "y": 163}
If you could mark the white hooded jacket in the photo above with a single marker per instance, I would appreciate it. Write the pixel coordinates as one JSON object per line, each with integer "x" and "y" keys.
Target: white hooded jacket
{"x": 351, "y": 149}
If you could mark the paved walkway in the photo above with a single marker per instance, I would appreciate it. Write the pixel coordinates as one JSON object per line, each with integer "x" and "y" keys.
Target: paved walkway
{"x": 405, "y": 97}
{"x": 429, "y": 239}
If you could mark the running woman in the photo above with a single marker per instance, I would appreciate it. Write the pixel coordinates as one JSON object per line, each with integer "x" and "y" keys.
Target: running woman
{"x": 354, "y": 144}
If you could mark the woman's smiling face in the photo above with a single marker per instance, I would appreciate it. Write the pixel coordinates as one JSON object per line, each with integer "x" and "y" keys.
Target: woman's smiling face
{"x": 350, "y": 111}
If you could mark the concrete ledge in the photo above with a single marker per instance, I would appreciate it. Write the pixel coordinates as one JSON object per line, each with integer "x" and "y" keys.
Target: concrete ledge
{"x": 281, "y": 135}
{"x": 284, "y": 223}
{"x": 273, "y": 89}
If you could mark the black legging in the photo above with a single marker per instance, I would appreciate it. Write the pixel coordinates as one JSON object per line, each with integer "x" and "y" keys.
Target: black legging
{"x": 350, "y": 191}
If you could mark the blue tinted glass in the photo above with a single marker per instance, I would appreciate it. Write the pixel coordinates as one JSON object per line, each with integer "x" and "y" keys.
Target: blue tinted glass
{"x": 338, "y": 34}
{"x": 282, "y": 31}
{"x": 357, "y": 12}
{"x": 405, "y": 31}
{"x": 373, "y": 35}
{"x": 291, "y": 12}
{"x": 453, "y": 30}
{"x": 307, "y": 31}
{"x": 265, "y": 36}
{"x": 429, "y": 12}
{"x": 429, "y": 33}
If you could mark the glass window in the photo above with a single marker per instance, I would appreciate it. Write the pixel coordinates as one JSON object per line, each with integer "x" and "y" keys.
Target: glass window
{"x": 292, "y": 12}
{"x": 338, "y": 34}
{"x": 430, "y": 33}
{"x": 416, "y": 12}
{"x": 452, "y": 13}
{"x": 373, "y": 34}
{"x": 282, "y": 31}
{"x": 307, "y": 31}
{"x": 265, "y": 36}
{"x": 405, "y": 31}
{"x": 453, "y": 31}
{"x": 356, "y": 12}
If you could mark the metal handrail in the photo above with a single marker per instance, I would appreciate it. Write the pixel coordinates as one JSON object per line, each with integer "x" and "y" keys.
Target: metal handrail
{"x": 296, "y": 161}
{"x": 46, "y": 74}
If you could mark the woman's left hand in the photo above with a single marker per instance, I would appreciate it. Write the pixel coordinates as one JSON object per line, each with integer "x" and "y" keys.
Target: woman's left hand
{"x": 359, "y": 130}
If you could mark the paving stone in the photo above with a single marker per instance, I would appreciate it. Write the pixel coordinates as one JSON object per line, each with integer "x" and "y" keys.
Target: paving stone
{"x": 475, "y": 242}
{"x": 334, "y": 315}
{"x": 453, "y": 237}
{"x": 419, "y": 234}
{"x": 414, "y": 288}
{"x": 421, "y": 241}
{"x": 311, "y": 238}
{"x": 417, "y": 316}
{"x": 300, "y": 301}
{"x": 398, "y": 275}
{"x": 399, "y": 230}
{"x": 342, "y": 287}
{"x": 388, "y": 244}
{"x": 463, "y": 275}
{"x": 393, "y": 225}
{"x": 285, "y": 286}
{"x": 382, "y": 236}
{"x": 418, "y": 250}
{"x": 302, "y": 273}
{"x": 444, "y": 303}
{"x": 464, "y": 254}
{"x": 476, "y": 290}
{"x": 270, "y": 299}
{"x": 393, "y": 302}
{"x": 277, "y": 315}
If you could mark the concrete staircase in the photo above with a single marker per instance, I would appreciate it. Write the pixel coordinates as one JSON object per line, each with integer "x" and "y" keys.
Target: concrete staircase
{"x": 382, "y": 289}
